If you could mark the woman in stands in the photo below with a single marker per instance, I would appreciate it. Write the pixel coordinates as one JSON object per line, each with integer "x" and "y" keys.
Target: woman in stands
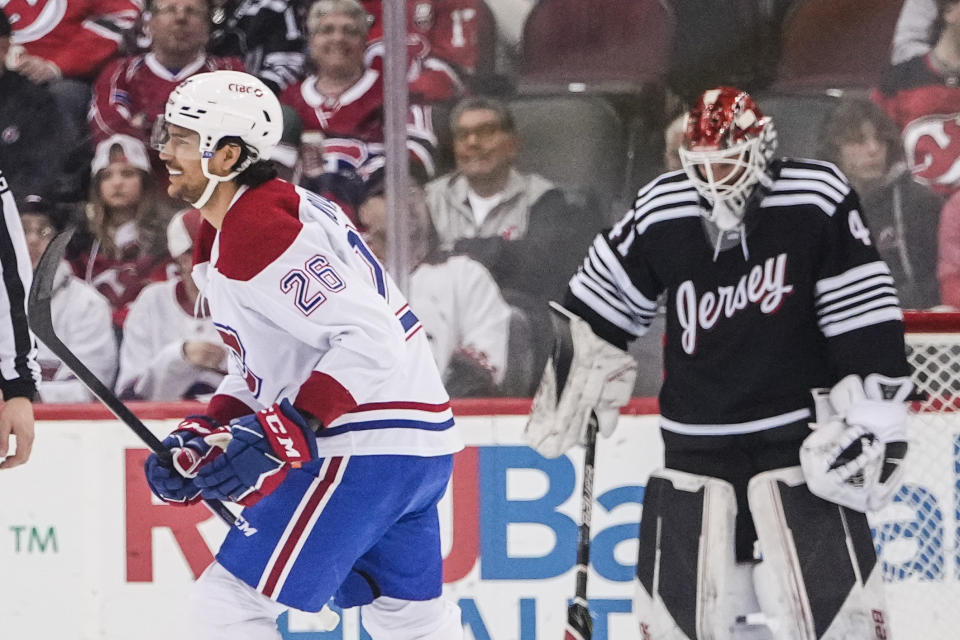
{"x": 123, "y": 244}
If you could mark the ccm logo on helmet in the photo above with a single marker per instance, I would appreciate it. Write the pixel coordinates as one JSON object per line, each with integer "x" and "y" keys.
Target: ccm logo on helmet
{"x": 245, "y": 88}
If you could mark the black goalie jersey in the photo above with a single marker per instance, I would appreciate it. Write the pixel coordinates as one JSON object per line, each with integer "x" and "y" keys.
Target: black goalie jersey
{"x": 806, "y": 300}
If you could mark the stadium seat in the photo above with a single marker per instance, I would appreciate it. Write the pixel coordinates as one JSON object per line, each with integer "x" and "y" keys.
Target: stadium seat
{"x": 603, "y": 45}
{"x": 577, "y": 141}
{"x": 836, "y": 43}
{"x": 797, "y": 117}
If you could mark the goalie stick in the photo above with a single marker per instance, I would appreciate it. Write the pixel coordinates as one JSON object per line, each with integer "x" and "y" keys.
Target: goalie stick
{"x": 41, "y": 323}
{"x": 579, "y": 623}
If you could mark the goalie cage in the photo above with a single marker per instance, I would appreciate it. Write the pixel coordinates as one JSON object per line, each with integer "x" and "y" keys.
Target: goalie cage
{"x": 918, "y": 535}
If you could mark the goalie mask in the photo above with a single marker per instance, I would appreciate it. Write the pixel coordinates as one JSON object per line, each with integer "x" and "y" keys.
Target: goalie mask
{"x": 218, "y": 105}
{"x": 727, "y": 145}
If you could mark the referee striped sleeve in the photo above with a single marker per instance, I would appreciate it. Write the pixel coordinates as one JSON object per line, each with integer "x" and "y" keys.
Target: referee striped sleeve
{"x": 19, "y": 371}
{"x": 857, "y": 298}
{"x": 603, "y": 285}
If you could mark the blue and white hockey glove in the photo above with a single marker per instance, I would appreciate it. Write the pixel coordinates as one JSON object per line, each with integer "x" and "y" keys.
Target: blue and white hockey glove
{"x": 263, "y": 447}
{"x": 189, "y": 451}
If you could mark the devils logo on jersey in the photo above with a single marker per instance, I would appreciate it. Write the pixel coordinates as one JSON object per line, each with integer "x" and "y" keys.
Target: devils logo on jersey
{"x": 33, "y": 19}
{"x": 932, "y": 148}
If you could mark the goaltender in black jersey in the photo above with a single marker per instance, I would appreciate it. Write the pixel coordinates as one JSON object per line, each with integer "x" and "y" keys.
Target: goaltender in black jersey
{"x": 772, "y": 287}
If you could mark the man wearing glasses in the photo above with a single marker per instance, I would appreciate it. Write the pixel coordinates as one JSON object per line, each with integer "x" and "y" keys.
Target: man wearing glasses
{"x": 519, "y": 226}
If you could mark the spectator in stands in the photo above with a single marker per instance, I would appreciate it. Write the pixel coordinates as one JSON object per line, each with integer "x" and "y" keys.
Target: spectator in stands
{"x": 122, "y": 246}
{"x": 460, "y": 306}
{"x": 130, "y": 92}
{"x": 341, "y": 104}
{"x": 903, "y": 216}
{"x": 171, "y": 349}
{"x": 446, "y": 40}
{"x": 32, "y": 130}
{"x": 519, "y": 226}
{"x": 265, "y": 35}
{"x": 81, "y": 316}
{"x": 63, "y": 45}
{"x": 922, "y": 96}
{"x": 911, "y": 36}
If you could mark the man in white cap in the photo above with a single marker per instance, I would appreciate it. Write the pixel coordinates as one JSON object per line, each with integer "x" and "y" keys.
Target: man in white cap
{"x": 171, "y": 350}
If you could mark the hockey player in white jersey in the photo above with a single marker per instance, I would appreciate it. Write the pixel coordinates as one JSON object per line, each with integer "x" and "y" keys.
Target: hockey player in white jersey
{"x": 773, "y": 287}
{"x": 332, "y": 428}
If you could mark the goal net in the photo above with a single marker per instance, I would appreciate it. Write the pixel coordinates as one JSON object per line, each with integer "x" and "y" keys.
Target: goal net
{"x": 918, "y": 535}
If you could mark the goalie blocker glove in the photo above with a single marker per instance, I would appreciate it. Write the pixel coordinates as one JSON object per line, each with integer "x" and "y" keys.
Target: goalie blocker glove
{"x": 258, "y": 452}
{"x": 854, "y": 457}
{"x": 189, "y": 450}
{"x": 585, "y": 374}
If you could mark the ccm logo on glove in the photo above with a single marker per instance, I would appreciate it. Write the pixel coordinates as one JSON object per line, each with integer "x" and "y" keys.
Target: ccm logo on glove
{"x": 289, "y": 444}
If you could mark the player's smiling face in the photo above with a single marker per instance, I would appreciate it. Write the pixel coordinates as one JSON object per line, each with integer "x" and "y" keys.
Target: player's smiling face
{"x": 181, "y": 155}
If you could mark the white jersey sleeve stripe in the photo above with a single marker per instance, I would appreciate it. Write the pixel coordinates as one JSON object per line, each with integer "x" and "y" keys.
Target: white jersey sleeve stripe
{"x": 602, "y": 265}
{"x": 874, "y": 317}
{"x": 610, "y": 296}
{"x": 860, "y": 309}
{"x": 799, "y": 199}
{"x": 581, "y": 291}
{"x": 822, "y": 175}
{"x": 692, "y": 211}
{"x": 853, "y": 289}
{"x": 846, "y": 302}
{"x": 861, "y": 272}
{"x": 601, "y": 254}
{"x": 818, "y": 186}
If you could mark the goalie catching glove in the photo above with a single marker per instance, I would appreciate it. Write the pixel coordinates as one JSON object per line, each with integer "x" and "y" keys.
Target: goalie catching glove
{"x": 854, "y": 457}
{"x": 258, "y": 451}
{"x": 584, "y": 375}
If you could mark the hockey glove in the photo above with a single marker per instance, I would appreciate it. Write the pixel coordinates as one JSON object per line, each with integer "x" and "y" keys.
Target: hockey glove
{"x": 584, "y": 375}
{"x": 854, "y": 457}
{"x": 189, "y": 451}
{"x": 262, "y": 448}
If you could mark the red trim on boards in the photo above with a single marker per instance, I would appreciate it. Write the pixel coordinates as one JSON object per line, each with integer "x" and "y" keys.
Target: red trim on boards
{"x": 177, "y": 410}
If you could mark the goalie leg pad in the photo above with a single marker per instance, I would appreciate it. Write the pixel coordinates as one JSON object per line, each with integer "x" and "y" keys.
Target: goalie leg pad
{"x": 818, "y": 579}
{"x": 393, "y": 619}
{"x": 686, "y": 588}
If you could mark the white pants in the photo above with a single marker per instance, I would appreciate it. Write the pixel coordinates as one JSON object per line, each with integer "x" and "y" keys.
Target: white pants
{"x": 220, "y": 606}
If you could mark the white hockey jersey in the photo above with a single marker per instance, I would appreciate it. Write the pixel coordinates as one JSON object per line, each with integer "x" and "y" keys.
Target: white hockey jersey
{"x": 82, "y": 318}
{"x": 152, "y": 364}
{"x": 309, "y": 314}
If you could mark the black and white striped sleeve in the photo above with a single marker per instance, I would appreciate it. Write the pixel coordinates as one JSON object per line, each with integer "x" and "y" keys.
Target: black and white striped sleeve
{"x": 854, "y": 288}
{"x": 19, "y": 371}
{"x": 859, "y": 297}
{"x": 615, "y": 280}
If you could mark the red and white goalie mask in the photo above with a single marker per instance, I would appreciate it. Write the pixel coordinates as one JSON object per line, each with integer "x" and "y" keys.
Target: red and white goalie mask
{"x": 727, "y": 144}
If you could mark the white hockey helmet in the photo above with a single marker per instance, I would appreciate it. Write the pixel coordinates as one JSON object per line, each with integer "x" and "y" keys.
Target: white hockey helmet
{"x": 725, "y": 128}
{"x": 222, "y": 104}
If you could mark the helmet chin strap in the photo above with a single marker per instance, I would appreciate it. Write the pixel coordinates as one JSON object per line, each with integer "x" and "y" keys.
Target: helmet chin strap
{"x": 213, "y": 181}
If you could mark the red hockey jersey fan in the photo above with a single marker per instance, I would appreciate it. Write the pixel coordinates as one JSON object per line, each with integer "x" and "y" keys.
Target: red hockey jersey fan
{"x": 130, "y": 93}
{"x": 353, "y": 124}
{"x": 925, "y": 103}
{"x": 78, "y": 36}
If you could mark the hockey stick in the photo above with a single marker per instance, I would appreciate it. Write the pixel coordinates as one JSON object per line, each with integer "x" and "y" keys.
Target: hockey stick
{"x": 41, "y": 323}
{"x": 579, "y": 623}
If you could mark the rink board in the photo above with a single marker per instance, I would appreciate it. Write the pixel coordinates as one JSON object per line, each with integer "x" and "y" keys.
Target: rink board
{"x": 86, "y": 553}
